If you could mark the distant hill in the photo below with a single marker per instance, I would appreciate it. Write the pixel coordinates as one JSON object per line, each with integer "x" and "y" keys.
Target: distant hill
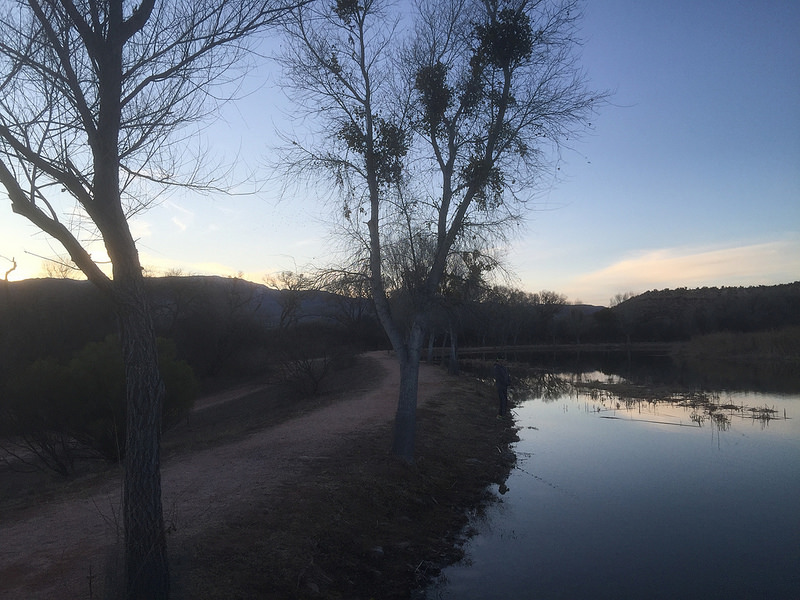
{"x": 586, "y": 309}
{"x": 678, "y": 314}
{"x": 219, "y": 321}
{"x": 210, "y": 318}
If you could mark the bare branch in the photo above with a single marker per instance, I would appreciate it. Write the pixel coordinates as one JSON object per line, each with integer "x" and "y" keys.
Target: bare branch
{"x": 13, "y": 267}
{"x": 93, "y": 95}
{"x": 436, "y": 144}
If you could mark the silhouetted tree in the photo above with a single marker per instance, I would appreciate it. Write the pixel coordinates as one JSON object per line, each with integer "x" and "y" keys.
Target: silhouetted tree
{"x": 92, "y": 95}
{"x": 354, "y": 308}
{"x": 13, "y": 267}
{"x": 291, "y": 285}
{"x": 548, "y": 304}
{"x": 433, "y": 151}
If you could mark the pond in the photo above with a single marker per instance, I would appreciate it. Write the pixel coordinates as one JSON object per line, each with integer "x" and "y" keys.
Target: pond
{"x": 698, "y": 497}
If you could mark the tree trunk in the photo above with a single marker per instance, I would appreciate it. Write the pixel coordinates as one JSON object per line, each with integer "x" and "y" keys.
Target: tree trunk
{"x": 405, "y": 421}
{"x": 452, "y": 365}
{"x": 146, "y": 567}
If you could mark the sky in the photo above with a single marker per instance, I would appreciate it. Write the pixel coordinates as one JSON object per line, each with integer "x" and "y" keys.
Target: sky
{"x": 690, "y": 176}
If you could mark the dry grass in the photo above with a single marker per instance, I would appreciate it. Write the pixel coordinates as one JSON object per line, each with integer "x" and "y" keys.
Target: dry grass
{"x": 782, "y": 345}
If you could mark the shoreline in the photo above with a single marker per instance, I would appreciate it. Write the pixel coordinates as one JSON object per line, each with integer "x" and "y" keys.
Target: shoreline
{"x": 359, "y": 523}
{"x": 273, "y": 496}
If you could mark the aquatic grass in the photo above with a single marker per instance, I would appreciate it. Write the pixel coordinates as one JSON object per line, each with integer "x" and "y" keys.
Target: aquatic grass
{"x": 764, "y": 414}
{"x": 770, "y": 345}
{"x": 705, "y": 406}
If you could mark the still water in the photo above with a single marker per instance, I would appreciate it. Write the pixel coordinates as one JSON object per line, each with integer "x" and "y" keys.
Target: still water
{"x": 641, "y": 500}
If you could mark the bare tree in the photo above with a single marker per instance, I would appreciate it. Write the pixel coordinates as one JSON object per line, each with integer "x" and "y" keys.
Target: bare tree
{"x": 620, "y": 297}
{"x": 548, "y": 305}
{"x": 60, "y": 267}
{"x": 13, "y": 268}
{"x": 291, "y": 285}
{"x": 625, "y": 316}
{"x": 435, "y": 141}
{"x": 352, "y": 294}
{"x": 94, "y": 95}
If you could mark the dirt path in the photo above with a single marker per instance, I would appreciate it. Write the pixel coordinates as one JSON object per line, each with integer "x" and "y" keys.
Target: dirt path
{"x": 52, "y": 551}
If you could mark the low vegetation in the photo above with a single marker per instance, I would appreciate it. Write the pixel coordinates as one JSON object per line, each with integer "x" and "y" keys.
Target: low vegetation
{"x": 56, "y": 413}
{"x": 61, "y": 377}
{"x": 705, "y": 407}
{"x": 774, "y": 345}
{"x": 357, "y": 524}
{"x": 767, "y": 360}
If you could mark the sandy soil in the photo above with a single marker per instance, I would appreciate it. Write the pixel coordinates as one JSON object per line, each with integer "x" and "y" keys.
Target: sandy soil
{"x": 55, "y": 550}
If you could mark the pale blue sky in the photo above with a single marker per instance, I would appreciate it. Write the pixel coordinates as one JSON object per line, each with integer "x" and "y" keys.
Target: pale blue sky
{"x": 690, "y": 178}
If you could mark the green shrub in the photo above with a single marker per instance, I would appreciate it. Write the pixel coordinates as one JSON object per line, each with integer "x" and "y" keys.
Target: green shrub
{"x": 81, "y": 404}
{"x": 37, "y": 420}
{"x": 181, "y": 385}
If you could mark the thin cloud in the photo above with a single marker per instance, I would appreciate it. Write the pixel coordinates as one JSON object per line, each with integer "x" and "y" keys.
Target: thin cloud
{"x": 305, "y": 243}
{"x": 182, "y": 218}
{"x": 757, "y": 264}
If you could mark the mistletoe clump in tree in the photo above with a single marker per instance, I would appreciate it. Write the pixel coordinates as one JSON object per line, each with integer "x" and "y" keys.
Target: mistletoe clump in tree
{"x": 436, "y": 139}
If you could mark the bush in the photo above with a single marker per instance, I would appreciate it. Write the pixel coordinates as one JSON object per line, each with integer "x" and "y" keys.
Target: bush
{"x": 61, "y": 411}
{"x": 181, "y": 385}
{"x": 308, "y": 355}
{"x": 37, "y": 421}
{"x": 772, "y": 345}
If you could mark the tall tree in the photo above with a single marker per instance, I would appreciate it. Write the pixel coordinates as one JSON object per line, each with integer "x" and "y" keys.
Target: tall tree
{"x": 92, "y": 95}
{"x": 436, "y": 140}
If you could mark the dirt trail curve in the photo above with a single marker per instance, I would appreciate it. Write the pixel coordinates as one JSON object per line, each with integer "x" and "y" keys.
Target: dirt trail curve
{"x": 49, "y": 551}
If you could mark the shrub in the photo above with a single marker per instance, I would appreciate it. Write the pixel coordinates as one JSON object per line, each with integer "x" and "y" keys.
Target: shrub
{"x": 61, "y": 411}
{"x": 37, "y": 421}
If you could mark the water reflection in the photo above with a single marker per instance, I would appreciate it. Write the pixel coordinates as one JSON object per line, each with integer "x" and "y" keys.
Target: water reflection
{"x": 667, "y": 369}
{"x": 544, "y": 385}
{"x": 627, "y": 490}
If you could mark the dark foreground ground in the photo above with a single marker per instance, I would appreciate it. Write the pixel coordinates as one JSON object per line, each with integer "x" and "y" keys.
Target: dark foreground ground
{"x": 360, "y": 524}
{"x": 350, "y": 522}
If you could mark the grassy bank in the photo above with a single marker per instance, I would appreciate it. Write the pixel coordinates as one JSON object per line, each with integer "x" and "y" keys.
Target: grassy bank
{"x": 360, "y": 524}
{"x": 778, "y": 346}
{"x": 763, "y": 360}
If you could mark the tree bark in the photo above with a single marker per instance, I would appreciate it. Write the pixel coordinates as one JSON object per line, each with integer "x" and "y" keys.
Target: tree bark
{"x": 452, "y": 364}
{"x": 405, "y": 422}
{"x": 146, "y": 566}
